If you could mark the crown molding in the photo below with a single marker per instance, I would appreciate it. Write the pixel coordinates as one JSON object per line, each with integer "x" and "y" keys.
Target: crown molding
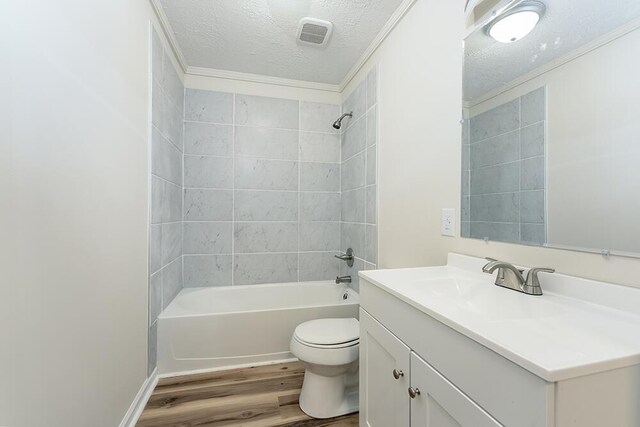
{"x": 382, "y": 35}
{"x": 577, "y": 53}
{"x": 259, "y": 78}
{"x": 168, "y": 33}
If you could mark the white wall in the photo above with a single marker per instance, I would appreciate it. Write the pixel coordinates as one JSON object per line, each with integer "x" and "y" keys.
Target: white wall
{"x": 74, "y": 210}
{"x": 419, "y": 158}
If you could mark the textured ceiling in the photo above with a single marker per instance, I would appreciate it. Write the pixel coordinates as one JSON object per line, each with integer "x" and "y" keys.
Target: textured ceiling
{"x": 566, "y": 25}
{"x": 259, "y": 36}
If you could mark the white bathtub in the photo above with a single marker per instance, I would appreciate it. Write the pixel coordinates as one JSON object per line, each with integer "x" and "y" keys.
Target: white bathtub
{"x": 210, "y": 328}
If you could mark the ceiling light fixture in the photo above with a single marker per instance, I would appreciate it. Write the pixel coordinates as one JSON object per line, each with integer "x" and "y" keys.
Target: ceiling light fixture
{"x": 516, "y": 22}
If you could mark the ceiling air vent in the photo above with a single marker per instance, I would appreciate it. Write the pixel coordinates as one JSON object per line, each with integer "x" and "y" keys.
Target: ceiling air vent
{"x": 314, "y": 31}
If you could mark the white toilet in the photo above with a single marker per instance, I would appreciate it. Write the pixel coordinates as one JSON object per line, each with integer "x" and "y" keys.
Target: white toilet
{"x": 328, "y": 349}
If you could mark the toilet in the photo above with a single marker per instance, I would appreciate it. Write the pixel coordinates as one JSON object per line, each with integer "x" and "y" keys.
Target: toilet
{"x": 328, "y": 349}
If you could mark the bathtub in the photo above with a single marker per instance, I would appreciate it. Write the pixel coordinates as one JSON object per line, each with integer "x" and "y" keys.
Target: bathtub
{"x": 220, "y": 327}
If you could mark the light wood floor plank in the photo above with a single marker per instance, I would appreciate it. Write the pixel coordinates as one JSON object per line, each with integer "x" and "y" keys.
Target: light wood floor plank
{"x": 264, "y": 396}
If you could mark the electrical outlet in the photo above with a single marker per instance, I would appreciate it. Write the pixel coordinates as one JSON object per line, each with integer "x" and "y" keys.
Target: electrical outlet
{"x": 449, "y": 222}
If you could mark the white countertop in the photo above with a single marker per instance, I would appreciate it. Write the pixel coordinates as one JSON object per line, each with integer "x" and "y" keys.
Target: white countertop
{"x": 578, "y": 327}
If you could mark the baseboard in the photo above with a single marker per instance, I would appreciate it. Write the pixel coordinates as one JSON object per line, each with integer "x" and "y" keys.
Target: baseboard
{"x": 225, "y": 368}
{"x": 137, "y": 406}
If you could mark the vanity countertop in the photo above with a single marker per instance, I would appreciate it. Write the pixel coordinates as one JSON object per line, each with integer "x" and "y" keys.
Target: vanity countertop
{"x": 578, "y": 327}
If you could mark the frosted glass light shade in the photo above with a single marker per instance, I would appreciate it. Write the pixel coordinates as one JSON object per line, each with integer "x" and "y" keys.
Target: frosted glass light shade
{"x": 514, "y": 26}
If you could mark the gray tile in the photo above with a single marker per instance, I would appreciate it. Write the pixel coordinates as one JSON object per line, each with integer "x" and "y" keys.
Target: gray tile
{"x": 532, "y": 174}
{"x": 254, "y": 237}
{"x": 208, "y": 238}
{"x": 166, "y": 201}
{"x": 354, "y": 139}
{"x": 208, "y": 138}
{"x": 266, "y": 205}
{"x": 166, "y": 159}
{"x": 171, "y": 122}
{"x": 319, "y": 177}
{"x": 257, "y": 174}
{"x": 208, "y": 205}
{"x": 532, "y": 141}
{"x": 156, "y": 56}
{"x": 372, "y": 126}
{"x": 208, "y": 172}
{"x": 465, "y": 209}
{"x": 319, "y": 147}
{"x": 207, "y": 270}
{"x": 266, "y": 112}
{"x": 501, "y": 232}
{"x": 320, "y": 206}
{"x": 263, "y": 143}
{"x": 371, "y": 165}
{"x": 152, "y": 349}
{"x": 533, "y": 107}
{"x": 208, "y": 106}
{"x": 466, "y": 157}
{"x": 345, "y": 270}
{"x": 369, "y": 266}
{"x": 493, "y": 151}
{"x": 532, "y": 206}
{"x": 532, "y": 234}
{"x": 318, "y": 117}
{"x": 372, "y": 87}
{"x": 155, "y": 296}
{"x": 501, "y": 119}
{"x": 356, "y": 103}
{"x": 318, "y": 266}
{"x": 371, "y": 244}
{"x": 172, "y": 84}
{"x": 495, "y": 179}
{"x": 171, "y": 242}
{"x": 465, "y": 229}
{"x": 319, "y": 236}
{"x": 465, "y": 132}
{"x": 352, "y": 236}
{"x": 171, "y": 281}
{"x": 504, "y": 207}
{"x": 353, "y": 172}
{"x": 353, "y": 205}
{"x": 465, "y": 182}
{"x": 265, "y": 268}
{"x": 157, "y": 105}
{"x": 155, "y": 249}
{"x": 371, "y": 207}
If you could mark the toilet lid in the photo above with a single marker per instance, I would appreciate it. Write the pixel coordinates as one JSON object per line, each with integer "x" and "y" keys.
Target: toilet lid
{"x": 328, "y": 331}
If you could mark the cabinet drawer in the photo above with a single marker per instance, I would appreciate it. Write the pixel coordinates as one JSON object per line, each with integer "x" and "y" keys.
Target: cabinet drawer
{"x": 509, "y": 393}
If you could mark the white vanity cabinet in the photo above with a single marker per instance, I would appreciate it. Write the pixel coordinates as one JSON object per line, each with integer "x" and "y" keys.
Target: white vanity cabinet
{"x": 443, "y": 347}
{"x": 398, "y": 388}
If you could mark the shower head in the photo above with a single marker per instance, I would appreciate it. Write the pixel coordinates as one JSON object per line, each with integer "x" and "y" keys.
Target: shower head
{"x": 338, "y": 123}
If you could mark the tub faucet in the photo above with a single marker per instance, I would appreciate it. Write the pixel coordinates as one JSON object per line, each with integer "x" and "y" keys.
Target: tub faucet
{"x": 343, "y": 279}
{"x": 511, "y": 277}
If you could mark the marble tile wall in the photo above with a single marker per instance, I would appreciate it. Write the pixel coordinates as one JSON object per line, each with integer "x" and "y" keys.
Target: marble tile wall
{"x": 503, "y": 172}
{"x": 165, "y": 230}
{"x": 358, "y": 185}
{"x": 261, "y": 190}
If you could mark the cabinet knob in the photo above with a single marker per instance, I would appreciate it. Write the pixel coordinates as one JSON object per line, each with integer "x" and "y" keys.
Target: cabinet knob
{"x": 413, "y": 392}
{"x": 397, "y": 374}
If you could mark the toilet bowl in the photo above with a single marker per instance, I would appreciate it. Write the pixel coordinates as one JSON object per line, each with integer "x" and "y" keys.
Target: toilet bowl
{"x": 328, "y": 349}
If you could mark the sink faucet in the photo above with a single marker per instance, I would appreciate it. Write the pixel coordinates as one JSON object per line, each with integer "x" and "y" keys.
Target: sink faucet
{"x": 511, "y": 277}
{"x": 343, "y": 279}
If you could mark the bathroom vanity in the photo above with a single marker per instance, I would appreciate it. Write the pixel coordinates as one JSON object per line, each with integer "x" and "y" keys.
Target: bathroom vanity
{"x": 443, "y": 346}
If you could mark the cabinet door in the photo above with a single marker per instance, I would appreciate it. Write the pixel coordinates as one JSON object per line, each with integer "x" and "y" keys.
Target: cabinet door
{"x": 439, "y": 403}
{"x": 383, "y": 357}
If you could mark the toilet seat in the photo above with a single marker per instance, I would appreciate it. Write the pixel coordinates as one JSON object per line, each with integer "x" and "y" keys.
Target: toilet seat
{"x": 328, "y": 333}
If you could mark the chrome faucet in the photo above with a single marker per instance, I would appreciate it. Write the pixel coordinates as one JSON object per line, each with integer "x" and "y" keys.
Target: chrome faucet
{"x": 511, "y": 277}
{"x": 343, "y": 279}
{"x": 347, "y": 257}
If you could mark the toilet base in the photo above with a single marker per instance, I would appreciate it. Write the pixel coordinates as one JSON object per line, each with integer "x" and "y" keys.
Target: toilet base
{"x": 330, "y": 396}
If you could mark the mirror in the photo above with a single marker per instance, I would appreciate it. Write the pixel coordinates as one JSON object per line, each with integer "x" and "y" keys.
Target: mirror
{"x": 551, "y": 125}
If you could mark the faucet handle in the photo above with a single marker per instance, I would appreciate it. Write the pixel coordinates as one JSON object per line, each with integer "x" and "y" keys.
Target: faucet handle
{"x": 532, "y": 284}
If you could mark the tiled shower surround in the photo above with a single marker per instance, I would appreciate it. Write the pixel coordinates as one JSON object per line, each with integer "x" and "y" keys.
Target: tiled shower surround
{"x": 165, "y": 230}
{"x": 503, "y": 164}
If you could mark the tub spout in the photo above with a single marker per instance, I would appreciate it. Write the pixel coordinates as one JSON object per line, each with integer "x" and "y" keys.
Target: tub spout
{"x": 343, "y": 279}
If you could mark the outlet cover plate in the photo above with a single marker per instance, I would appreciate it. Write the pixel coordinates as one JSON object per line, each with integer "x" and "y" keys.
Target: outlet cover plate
{"x": 449, "y": 222}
